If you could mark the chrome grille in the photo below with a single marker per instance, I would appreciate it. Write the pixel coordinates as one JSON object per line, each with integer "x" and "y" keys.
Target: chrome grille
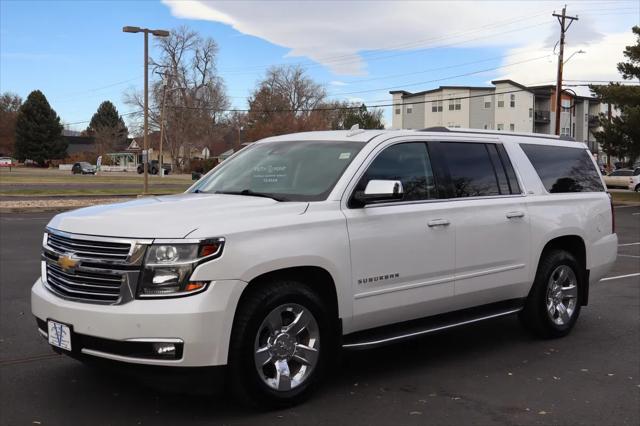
{"x": 91, "y": 269}
{"x": 89, "y": 249}
{"x": 100, "y": 287}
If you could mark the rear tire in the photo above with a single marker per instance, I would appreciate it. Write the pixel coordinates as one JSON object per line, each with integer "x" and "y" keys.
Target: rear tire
{"x": 553, "y": 305}
{"x": 637, "y": 188}
{"x": 276, "y": 325}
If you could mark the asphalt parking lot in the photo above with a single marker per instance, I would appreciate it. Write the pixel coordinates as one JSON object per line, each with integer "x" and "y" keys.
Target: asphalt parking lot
{"x": 486, "y": 374}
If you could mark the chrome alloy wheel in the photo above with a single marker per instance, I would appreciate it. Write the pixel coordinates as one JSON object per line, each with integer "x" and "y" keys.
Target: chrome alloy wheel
{"x": 287, "y": 347}
{"x": 562, "y": 295}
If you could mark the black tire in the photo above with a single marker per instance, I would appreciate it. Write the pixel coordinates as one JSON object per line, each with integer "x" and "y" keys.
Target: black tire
{"x": 140, "y": 170}
{"x": 535, "y": 316}
{"x": 637, "y": 188}
{"x": 243, "y": 377}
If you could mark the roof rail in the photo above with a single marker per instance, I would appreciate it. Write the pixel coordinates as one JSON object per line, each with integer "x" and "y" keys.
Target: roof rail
{"x": 494, "y": 132}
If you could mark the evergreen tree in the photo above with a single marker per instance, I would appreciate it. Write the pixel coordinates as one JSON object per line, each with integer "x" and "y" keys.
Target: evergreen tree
{"x": 38, "y": 131}
{"x": 364, "y": 118}
{"x": 621, "y": 135}
{"x": 108, "y": 128}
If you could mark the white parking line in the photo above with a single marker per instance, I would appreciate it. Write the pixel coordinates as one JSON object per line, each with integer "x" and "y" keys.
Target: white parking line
{"x": 635, "y": 214}
{"x": 629, "y": 244}
{"x": 629, "y": 255}
{"x": 621, "y": 276}
{"x": 623, "y": 207}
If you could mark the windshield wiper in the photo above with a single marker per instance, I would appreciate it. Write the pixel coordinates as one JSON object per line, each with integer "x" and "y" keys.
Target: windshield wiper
{"x": 251, "y": 193}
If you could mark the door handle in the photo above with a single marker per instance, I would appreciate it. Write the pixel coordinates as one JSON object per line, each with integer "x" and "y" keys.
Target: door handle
{"x": 438, "y": 222}
{"x": 513, "y": 215}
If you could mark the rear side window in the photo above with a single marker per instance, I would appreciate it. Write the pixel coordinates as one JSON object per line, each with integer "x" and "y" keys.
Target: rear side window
{"x": 564, "y": 169}
{"x": 478, "y": 170}
{"x": 622, "y": 173}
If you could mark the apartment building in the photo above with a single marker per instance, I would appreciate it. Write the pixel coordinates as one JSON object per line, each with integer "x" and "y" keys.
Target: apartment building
{"x": 506, "y": 106}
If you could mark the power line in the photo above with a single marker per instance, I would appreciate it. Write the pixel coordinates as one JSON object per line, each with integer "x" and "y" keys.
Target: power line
{"x": 342, "y": 108}
{"x": 378, "y": 55}
{"x": 448, "y": 78}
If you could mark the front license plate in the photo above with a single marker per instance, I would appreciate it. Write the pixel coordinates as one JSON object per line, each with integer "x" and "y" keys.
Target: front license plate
{"x": 59, "y": 335}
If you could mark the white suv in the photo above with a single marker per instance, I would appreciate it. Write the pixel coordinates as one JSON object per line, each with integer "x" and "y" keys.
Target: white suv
{"x": 301, "y": 244}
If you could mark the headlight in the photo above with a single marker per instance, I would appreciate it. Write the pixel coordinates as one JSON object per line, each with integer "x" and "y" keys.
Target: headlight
{"x": 168, "y": 266}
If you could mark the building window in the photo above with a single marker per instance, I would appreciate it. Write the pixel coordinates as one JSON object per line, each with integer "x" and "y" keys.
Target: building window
{"x": 512, "y": 127}
{"x": 500, "y": 101}
{"x": 573, "y": 130}
{"x": 530, "y": 112}
{"x": 564, "y": 131}
{"x": 409, "y": 109}
{"x": 436, "y": 106}
{"x": 397, "y": 111}
{"x": 487, "y": 102}
{"x": 512, "y": 100}
{"x": 500, "y": 126}
{"x": 458, "y": 104}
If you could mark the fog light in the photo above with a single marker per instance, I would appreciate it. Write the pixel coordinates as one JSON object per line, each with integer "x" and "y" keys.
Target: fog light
{"x": 165, "y": 349}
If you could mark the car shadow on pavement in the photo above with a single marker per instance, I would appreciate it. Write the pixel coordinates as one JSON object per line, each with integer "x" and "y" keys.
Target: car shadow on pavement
{"x": 129, "y": 396}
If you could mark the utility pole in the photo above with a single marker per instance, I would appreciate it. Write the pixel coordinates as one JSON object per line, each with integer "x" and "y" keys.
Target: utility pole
{"x": 565, "y": 22}
{"x": 164, "y": 99}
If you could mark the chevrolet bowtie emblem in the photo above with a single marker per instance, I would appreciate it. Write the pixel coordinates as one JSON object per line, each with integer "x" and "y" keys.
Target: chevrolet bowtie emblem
{"x": 67, "y": 263}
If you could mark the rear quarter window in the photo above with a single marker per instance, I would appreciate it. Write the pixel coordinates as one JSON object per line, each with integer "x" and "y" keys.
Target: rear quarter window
{"x": 563, "y": 169}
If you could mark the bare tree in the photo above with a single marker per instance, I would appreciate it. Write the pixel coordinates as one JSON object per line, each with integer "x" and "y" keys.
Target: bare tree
{"x": 284, "y": 102}
{"x": 194, "y": 95}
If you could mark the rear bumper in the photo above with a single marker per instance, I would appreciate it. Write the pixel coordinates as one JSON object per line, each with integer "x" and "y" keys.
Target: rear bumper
{"x": 601, "y": 256}
{"x": 200, "y": 323}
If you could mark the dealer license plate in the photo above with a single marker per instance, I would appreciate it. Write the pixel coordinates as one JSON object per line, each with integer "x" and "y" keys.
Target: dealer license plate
{"x": 59, "y": 335}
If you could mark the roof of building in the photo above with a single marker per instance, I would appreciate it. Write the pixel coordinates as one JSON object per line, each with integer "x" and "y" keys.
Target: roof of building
{"x": 424, "y": 92}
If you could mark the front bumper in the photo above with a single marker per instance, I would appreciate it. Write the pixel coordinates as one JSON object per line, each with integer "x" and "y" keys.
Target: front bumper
{"x": 201, "y": 322}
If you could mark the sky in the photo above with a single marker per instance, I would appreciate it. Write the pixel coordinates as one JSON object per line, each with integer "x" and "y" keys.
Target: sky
{"x": 76, "y": 53}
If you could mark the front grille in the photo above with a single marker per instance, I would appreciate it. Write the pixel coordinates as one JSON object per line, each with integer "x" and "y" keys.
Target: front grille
{"x": 101, "y": 287}
{"x": 90, "y": 249}
{"x": 91, "y": 269}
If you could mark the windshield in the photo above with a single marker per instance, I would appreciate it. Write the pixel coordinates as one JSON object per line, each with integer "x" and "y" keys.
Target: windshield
{"x": 286, "y": 171}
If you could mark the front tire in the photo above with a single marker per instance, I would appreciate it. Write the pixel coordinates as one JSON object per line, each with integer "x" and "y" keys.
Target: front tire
{"x": 553, "y": 305}
{"x": 281, "y": 342}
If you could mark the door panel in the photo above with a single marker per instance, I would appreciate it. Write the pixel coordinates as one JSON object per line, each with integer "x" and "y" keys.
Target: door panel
{"x": 402, "y": 268}
{"x": 491, "y": 223}
{"x": 492, "y": 250}
{"x": 402, "y": 253}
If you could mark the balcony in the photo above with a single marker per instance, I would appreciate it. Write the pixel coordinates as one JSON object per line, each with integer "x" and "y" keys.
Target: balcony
{"x": 542, "y": 116}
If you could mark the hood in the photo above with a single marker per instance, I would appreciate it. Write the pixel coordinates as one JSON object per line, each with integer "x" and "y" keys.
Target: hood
{"x": 173, "y": 216}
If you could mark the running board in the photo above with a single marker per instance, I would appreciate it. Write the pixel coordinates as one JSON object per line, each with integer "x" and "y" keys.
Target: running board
{"x": 386, "y": 335}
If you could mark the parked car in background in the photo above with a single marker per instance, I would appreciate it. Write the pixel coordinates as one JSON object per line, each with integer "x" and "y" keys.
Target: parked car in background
{"x": 154, "y": 168}
{"x": 623, "y": 178}
{"x": 83, "y": 168}
{"x": 6, "y": 162}
{"x": 305, "y": 244}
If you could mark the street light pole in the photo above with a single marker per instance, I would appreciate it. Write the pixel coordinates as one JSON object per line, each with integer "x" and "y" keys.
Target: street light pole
{"x": 145, "y": 152}
{"x": 145, "y": 157}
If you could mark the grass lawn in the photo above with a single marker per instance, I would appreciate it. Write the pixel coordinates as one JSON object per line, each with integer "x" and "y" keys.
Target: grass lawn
{"x": 41, "y": 182}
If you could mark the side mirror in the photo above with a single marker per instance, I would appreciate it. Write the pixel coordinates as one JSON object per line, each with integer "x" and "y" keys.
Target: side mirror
{"x": 379, "y": 191}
